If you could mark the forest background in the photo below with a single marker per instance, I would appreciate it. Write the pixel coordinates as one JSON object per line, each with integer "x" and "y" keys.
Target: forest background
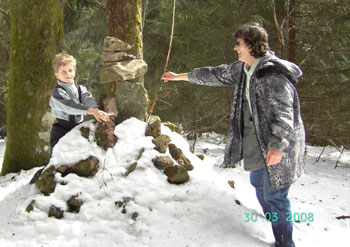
{"x": 315, "y": 34}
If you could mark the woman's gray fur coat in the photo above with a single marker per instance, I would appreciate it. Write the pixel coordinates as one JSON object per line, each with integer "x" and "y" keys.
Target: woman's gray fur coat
{"x": 275, "y": 110}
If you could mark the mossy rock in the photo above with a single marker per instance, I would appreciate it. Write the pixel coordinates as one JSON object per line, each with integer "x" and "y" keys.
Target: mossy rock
{"x": 30, "y": 206}
{"x": 56, "y": 212}
{"x": 177, "y": 174}
{"x": 85, "y": 132}
{"x": 154, "y": 127}
{"x": 74, "y": 204}
{"x": 180, "y": 158}
{"x": 85, "y": 168}
{"x": 161, "y": 143}
{"x": 173, "y": 127}
{"x": 46, "y": 183}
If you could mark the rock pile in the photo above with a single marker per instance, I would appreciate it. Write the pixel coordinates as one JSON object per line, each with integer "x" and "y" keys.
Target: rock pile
{"x": 175, "y": 166}
{"x": 46, "y": 183}
{"x": 178, "y": 173}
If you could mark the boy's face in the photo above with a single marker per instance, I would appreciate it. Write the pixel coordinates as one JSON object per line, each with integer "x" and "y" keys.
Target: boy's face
{"x": 65, "y": 73}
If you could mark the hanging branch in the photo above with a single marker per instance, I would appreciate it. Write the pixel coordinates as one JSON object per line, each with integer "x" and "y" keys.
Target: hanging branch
{"x": 171, "y": 37}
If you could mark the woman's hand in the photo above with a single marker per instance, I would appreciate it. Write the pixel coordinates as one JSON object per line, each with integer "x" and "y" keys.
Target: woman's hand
{"x": 171, "y": 76}
{"x": 273, "y": 157}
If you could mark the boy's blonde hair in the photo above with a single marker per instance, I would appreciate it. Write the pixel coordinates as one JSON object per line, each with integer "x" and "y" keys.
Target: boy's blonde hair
{"x": 62, "y": 59}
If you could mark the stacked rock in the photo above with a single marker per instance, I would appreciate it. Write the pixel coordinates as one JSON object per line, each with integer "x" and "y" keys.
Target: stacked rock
{"x": 118, "y": 64}
{"x": 125, "y": 69}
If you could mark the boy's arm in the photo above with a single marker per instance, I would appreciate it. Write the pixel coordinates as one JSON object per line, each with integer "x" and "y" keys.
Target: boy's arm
{"x": 89, "y": 101}
{"x": 60, "y": 101}
{"x": 86, "y": 98}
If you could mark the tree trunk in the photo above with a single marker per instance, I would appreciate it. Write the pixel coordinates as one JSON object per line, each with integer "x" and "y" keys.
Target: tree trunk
{"x": 36, "y": 35}
{"x": 124, "y": 21}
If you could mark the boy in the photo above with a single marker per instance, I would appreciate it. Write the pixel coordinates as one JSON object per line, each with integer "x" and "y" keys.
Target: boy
{"x": 69, "y": 102}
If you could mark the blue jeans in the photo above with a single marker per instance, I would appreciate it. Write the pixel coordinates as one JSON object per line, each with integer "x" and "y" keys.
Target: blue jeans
{"x": 276, "y": 207}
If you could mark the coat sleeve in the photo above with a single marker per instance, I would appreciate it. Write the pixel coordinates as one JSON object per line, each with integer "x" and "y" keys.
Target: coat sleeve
{"x": 87, "y": 99}
{"x": 222, "y": 75}
{"x": 280, "y": 97}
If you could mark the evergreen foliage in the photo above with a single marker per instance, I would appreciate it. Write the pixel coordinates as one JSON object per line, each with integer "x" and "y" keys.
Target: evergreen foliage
{"x": 203, "y": 37}
{"x": 323, "y": 52}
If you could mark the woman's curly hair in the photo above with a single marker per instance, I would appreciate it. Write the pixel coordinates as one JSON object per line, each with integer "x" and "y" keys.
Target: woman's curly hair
{"x": 255, "y": 37}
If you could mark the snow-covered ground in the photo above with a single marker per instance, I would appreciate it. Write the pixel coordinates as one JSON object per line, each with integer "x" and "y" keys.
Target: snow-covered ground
{"x": 205, "y": 211}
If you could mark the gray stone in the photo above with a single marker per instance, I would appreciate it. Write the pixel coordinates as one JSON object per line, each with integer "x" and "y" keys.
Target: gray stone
{"x": 161, "y": 143}
{"x": 115, "y": 44}
{"x": 123, "y": 71}
{"x": 154, "y": 127}
{"x": 177, "y": 174}
{"x": 110, "y": 106}
{"x": 163, "y": 162}
{"x": 131, "y": 101}
{"x": 111, "y": 56}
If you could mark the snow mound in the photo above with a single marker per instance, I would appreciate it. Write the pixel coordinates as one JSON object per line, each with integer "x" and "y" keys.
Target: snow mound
{"x": 142, "y": 209}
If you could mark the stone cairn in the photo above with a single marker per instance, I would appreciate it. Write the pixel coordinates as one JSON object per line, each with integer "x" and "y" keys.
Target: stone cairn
{"x": 105, "y": 138}
{"x": 120, "y": 73}
{"x": 123, "y": 70}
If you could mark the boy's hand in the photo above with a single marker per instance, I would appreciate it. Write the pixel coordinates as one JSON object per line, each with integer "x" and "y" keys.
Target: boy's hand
{"x": 99, "y": 115}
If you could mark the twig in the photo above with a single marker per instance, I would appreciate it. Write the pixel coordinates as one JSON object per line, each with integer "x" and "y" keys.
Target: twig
{"x": 152, "y": 107}
{"x": 207, "y": 128}
{"x": 103, "y": 170}
{"x": 158, "y": 96}
{"x": 171, "y": 37}
{"x": 336, "y": 164}
{"x": 340, "y": 150}
{"x": 343, "y": 217}
{"x": 319, "y": 157}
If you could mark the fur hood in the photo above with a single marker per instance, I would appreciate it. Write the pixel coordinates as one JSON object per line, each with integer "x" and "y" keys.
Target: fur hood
{"x": 272, "y": 64}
